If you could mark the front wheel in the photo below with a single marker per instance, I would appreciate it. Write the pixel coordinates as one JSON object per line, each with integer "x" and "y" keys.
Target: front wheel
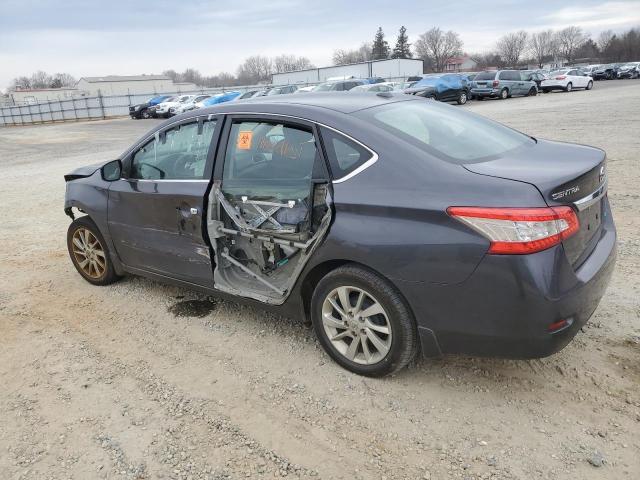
{"x": 532, "y": 92}
{"x": 569, "y": 87}
{"x": 462, "y": 98}
{"x": 589, "y": 85}
{"x": 89, "y": 252}
{"x": 362, "y": 322}
{"x": 146, "y": 114}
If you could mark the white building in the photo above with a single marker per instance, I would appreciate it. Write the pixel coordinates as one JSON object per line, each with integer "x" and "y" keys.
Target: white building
{"x": 395, "y": 68}
{"x": 124, "y": 85}
{"x": 31, "y": 96}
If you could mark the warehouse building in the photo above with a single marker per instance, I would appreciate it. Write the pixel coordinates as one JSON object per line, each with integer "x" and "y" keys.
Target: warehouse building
{"x": 395, "y": 68}
{"x": 31, "y": 96}
{"x": 125, "y": 85}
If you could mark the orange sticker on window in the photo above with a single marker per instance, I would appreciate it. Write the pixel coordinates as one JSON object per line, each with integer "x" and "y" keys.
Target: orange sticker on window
{"x": 244, "y": 140}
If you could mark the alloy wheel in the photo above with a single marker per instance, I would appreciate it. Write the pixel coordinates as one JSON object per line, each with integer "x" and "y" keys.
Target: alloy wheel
{"x": 89, "y": 253}
{"x": 357, "y": 325}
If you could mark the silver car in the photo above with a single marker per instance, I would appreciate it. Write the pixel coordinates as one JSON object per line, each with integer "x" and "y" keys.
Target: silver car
{"x": 501, "y": 84}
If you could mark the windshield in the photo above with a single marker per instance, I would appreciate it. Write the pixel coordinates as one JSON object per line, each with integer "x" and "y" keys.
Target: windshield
{"x": 485, "y": 76}
{"x": 445, "y": 132}
{"x": 323, "y": 87}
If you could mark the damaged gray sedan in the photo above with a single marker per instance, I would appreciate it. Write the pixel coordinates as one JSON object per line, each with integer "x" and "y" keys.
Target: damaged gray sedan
{"x": 392, "y": 224}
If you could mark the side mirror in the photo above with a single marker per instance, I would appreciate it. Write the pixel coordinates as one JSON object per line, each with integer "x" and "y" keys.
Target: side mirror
{"x": 111, "y": 171}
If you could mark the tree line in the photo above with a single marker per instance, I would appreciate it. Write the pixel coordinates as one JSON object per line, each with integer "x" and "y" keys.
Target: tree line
{"x": 436, "y": 46}
{"x": 42, "y": 79}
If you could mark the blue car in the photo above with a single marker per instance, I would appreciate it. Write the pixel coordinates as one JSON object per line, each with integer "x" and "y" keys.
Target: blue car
{"x": 225, "y": 97}
{"x": 445, "y": 87}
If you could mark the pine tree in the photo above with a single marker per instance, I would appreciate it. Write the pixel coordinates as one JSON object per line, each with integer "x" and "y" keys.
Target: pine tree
{"x": 380, "y": 50}
{"x": 403, "y": 47}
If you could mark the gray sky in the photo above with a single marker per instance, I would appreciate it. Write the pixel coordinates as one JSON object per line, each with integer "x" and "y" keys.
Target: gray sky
{"x": 123, "y": 37}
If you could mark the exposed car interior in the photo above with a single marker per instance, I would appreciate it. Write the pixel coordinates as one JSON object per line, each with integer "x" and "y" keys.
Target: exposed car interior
{"x": 269, "y": 211}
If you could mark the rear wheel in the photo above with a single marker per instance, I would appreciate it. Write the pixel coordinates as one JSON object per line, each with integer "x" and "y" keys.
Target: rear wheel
{"x": 589, "y": 85}
{"x": 569, "y": 87}
{"x": 504, "y": 94}
{"x": 89, "y": 252}
{"x": 362, "y": 322}
{"x": 146, "y": 114}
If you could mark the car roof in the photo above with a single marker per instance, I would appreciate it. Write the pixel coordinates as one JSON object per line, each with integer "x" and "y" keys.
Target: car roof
{"x": 343, "y": 102}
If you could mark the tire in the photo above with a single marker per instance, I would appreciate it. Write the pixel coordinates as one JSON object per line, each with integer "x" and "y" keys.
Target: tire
{"x": 589, "y": 85}
{"x": 532, "y": 92}
{"x": 504, "y": 94}
{"x": 569, "y": 87}
{"x": 393, "y": 350}
{"x": 100, "y": 269}
{"x": 145, "y": 114}
{"x": 462, "y": 98}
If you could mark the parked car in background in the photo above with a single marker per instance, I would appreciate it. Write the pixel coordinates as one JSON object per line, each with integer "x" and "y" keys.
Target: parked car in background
{"x": 629, "y": 70}
{"x": 248, "y": 94}
{"x": 501, "y": 84}
{"x": 605, "y": 72}
{"x": 220, "y": 98}
{"x": 533, "y": 76}
{"x": 375, "y": 80}
{"x": 185, "y": 107}
{"x": 306, "y": 89}
{"x": 373, "y": 87}
{"x": 285, "y": 89}
{"x": 567, "y": 79}
{"x": 162, "y": 109}
{"x": 142, "y": 109}
{"x": 339, "y": 86}
{"x": 393, "y": 224}
{"x": 445, "y": 87}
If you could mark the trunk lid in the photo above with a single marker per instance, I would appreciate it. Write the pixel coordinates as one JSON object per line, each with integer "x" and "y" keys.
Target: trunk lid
{"x": 565, "y": 174}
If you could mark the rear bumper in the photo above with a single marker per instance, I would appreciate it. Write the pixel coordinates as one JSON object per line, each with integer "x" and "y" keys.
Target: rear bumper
{"x": 485, "y": 92}
{"x": 505, "y": 308}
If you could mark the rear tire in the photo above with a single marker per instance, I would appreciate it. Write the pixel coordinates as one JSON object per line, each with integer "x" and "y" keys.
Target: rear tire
{"x": 89, "y": 252}
{"x": 504, "y": 94}
{"x": 145, "y": 114}
{"x": 569, "y": 87}
{"x": 385, "y": 340}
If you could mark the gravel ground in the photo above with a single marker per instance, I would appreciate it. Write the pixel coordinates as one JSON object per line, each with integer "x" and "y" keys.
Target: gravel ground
{"x": 142, "y": 380}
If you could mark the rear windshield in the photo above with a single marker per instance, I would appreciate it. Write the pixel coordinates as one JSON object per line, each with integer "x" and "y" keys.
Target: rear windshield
{"x": 445, "y": 132}
{"x": 485, "y": 76}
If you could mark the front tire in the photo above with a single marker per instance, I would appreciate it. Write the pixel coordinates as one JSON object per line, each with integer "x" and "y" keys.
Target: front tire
{"x": 362, "y": 322}
{"x": 145, "y": 114}
{"x": 89, "y": 252}
{"x": 462, "y": 98}
{"x": 589, "y": 85}
{"x": 532, "y": 92}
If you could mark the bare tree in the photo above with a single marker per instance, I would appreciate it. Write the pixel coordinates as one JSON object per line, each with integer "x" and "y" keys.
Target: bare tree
{"x": 438, "y": 46}
{"x": 22, "y": 82}
{"x": 362, "y": 54}
{"x": 290, "y": 63}
{"x": 254, "y": 69}
{"x": 569, "y": 40}
{"x": 541, "y": 46}
{"x": 487, "y": 60}
{"x": 511, "y": 47}
{"x": 604, "y": 40}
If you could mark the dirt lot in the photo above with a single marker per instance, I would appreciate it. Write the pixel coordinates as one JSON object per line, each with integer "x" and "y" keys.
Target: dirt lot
{"x": 129, "y": 381}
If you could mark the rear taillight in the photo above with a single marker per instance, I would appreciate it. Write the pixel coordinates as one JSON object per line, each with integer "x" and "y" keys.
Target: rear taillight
{"x": 561, "y": 77}
{"x": 496, "y": 83}
{"x": 519, "y": 230}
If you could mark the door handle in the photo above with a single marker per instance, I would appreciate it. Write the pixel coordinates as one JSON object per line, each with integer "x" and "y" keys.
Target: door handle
{"x": 193, "y": 211}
